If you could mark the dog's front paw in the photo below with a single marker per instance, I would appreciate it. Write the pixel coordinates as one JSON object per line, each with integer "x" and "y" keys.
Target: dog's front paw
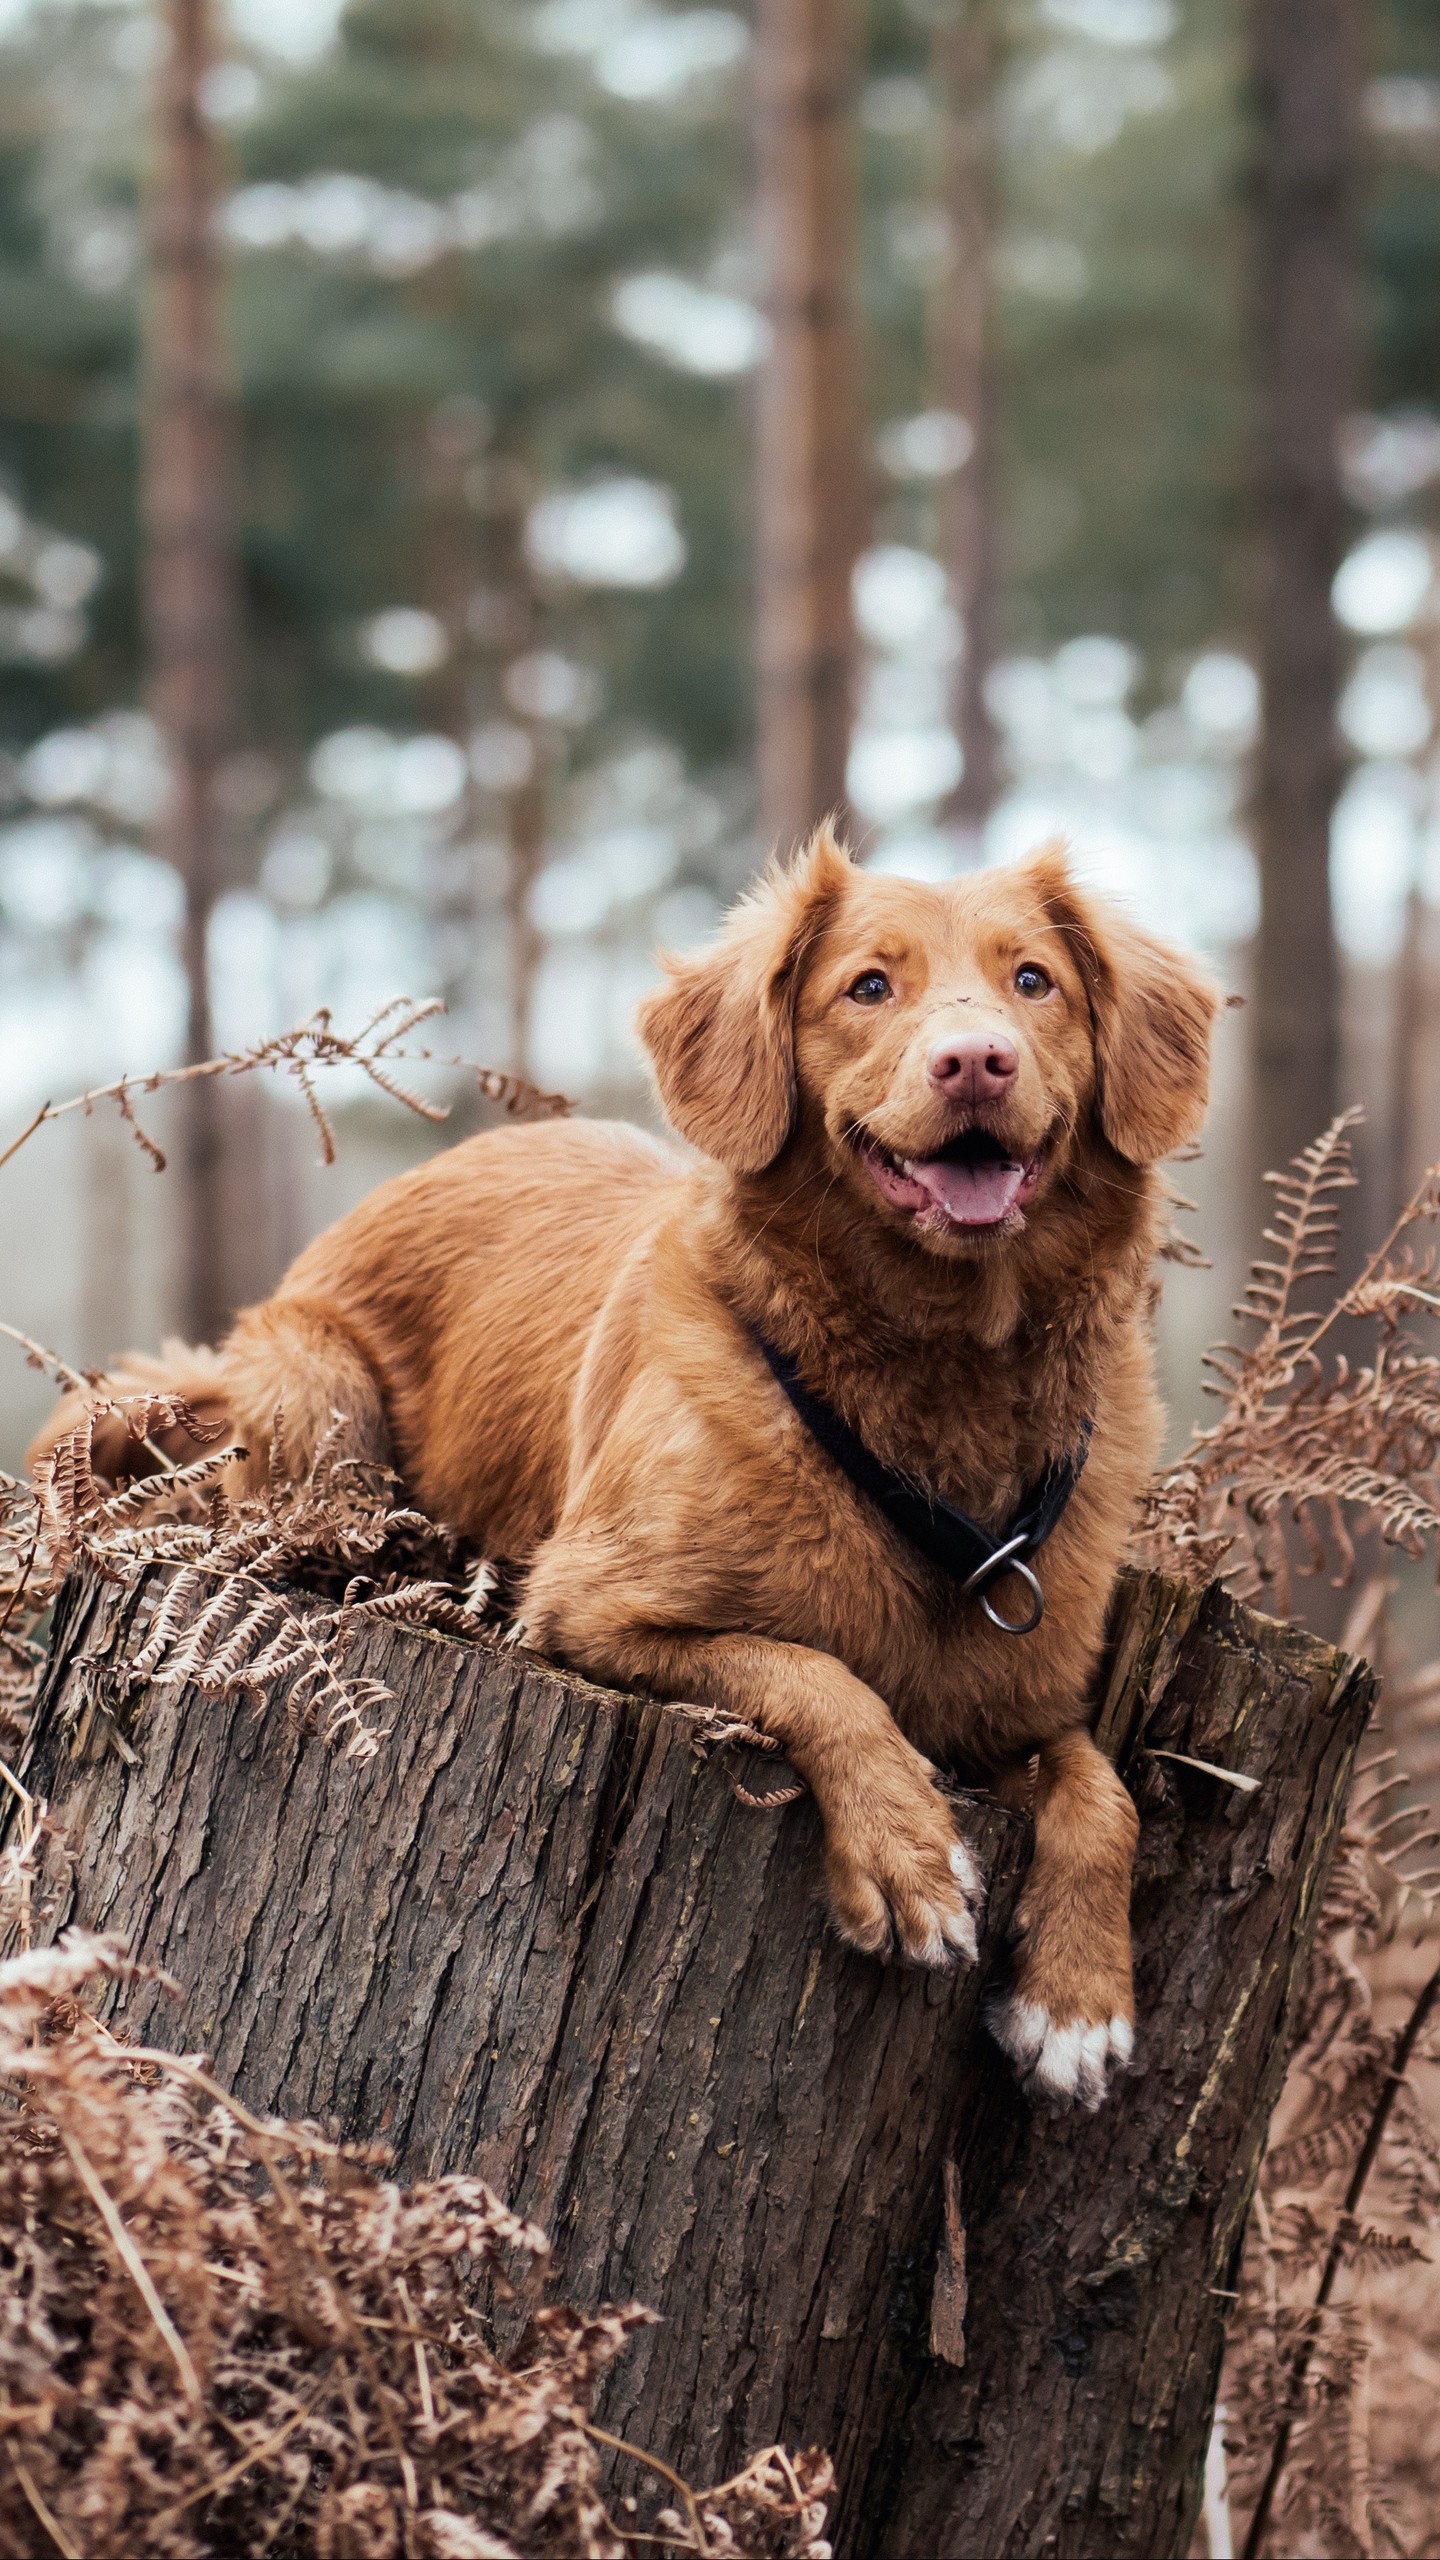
{"x": 900, "y": 1879}
{"x": 1067, "y": 2061}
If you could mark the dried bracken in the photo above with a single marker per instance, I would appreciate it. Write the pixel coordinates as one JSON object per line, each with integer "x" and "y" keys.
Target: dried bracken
{"x": 219, "y": 2334}
{"x": 1308, "y": 1448}
{"x": 343, "y": 1532}
{"x": 1349, "y": 2189}
{"x": 376, "y": 1051}
{"x": 1310, "y": 1452}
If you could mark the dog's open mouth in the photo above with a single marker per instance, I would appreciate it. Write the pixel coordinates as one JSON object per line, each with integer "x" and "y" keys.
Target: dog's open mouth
{"x": 973, "y": 1182}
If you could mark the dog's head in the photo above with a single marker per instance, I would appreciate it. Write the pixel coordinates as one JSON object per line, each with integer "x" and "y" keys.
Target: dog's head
{"x": 954, "y": 1049}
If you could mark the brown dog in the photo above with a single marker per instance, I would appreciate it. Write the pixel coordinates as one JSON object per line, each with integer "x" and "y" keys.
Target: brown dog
{"x": 927, "y": 1119}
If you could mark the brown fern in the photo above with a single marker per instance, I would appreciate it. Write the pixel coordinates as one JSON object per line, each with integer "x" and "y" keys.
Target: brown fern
{"x": 377, "y": 1049}
{"x": 1310, "y": 1450}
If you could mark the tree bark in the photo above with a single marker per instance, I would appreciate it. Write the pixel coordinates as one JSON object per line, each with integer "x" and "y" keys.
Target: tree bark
{"x": 1305, "y": 71}
{"x": 964, "y": 375}
{"x": 538, "y": 1938}
{"x": 1102, "y": 2252}
{"x": 189, "y": 584}
{"x": 808, "y": 467}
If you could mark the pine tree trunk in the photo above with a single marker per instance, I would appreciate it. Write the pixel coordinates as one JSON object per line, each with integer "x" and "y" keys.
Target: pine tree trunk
{"x": 1305, "y": 64}
{"x": 538, "y": 1938}
{"x": 809, "y": 471}
{"x": 965, "y": 382}
{"x": 190, "y": 602}
{"x": 511, "y": 629}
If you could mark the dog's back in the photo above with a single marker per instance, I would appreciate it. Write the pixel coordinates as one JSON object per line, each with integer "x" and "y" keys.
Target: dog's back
{"x": 466, "y": 1289}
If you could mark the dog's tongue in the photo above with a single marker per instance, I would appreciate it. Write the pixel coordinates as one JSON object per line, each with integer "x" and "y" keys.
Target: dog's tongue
{"x": 975, "y": 1195}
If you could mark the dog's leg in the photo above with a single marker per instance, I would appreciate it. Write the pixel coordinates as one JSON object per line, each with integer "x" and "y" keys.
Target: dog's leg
{"x": 1070, "y": 2016}
{"x": 898, "y": 1876}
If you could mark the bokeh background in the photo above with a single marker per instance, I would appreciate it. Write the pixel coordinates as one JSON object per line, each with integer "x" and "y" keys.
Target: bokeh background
{"x": 399, "y": 404}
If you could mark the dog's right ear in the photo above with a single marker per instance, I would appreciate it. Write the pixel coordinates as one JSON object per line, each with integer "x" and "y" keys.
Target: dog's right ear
{"x": 721, "y": 1031}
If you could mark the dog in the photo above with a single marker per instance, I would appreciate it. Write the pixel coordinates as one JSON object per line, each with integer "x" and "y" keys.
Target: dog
{"x": 919, "y": 1221}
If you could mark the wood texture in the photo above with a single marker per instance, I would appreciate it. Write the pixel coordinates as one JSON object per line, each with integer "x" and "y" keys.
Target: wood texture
{"x": 538, "y": 1937}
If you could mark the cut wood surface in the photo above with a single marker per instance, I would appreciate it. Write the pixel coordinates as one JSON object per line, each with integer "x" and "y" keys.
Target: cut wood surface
{"x": 537, "y": 1937}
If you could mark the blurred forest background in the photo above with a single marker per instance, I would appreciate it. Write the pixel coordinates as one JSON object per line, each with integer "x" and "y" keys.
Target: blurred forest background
{"x": 476, "y": 473}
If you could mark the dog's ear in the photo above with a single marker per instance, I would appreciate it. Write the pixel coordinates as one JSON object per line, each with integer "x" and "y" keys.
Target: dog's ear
{"x": 1152, "y": 1010}
{"x": 721, "y": 1031}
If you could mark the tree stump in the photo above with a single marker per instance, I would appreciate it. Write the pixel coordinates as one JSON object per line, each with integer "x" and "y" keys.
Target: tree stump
{"x": 1103, "y": 2251}
{"x": 538, "y": 1938}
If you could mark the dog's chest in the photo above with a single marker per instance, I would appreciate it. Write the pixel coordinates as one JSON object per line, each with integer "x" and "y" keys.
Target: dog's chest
{"x": 845, "y": 1580}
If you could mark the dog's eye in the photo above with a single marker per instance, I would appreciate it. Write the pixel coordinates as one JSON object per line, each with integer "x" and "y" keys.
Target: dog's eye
{"x": 1032, "y": 981}
{"x": 872, "y": 987}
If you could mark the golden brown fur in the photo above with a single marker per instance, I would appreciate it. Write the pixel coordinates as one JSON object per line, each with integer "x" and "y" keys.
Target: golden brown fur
{"x": 548, "y": 1329}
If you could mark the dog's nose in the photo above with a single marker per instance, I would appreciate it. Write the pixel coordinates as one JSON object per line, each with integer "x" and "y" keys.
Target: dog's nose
{"x": 973, "y": 1066}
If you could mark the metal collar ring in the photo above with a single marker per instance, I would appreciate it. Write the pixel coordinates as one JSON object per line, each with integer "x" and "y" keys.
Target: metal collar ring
{"x": 1006, "y": 1559}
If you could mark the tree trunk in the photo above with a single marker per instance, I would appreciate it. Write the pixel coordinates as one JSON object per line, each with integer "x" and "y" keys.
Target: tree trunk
{"x": 809, "y": 471}
{"x": 964, "y": 376}
{"x": 189, "y": 583}
{"x": 1102, "y": 2252}
{"x": 1306, "y": 80}
{"x": 538, "y": 1938}
{"x": 511, "y": 630}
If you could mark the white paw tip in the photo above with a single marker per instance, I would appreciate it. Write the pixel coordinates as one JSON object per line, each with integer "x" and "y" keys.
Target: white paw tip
{"x": 963, "y": 1868}
{"x": 1065, "y": 2064}
{"x": 960, "y": 1933}
{"x": 1090, "y": 2073}
{"x": 1060, "y": 2063}
{"x": 1019, "y": 2026}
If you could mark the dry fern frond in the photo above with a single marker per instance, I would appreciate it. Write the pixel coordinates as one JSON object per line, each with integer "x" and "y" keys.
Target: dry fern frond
{"x": 223, "y": 2334}
{"x": 1309, "y": 1449}
{"x": 245, "y": 1608}
{"x": 377, "y": 1049}
{"x": 1298, "y": 2360}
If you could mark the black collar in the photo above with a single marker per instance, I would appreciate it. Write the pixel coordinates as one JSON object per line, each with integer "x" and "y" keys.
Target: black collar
{"x": 947, "y": 1536}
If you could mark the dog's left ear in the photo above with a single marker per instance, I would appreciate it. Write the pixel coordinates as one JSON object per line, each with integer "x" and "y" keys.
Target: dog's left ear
{"x": 721, "y": 1031}
{"x": 1152, "y": 1009}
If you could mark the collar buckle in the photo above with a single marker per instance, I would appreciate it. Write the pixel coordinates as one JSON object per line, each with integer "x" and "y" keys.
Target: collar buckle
{"x": 1006, "y": 1559}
